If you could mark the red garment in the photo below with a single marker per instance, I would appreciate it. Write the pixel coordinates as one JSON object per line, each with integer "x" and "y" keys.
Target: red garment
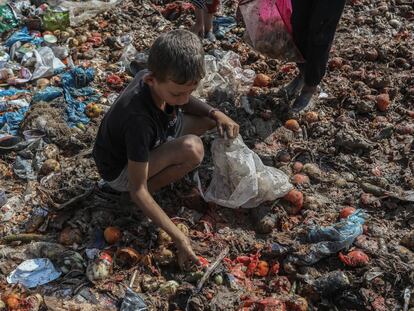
{"x": 213, "y": 7}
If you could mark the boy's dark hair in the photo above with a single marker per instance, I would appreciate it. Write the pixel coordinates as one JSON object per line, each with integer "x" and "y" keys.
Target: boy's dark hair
{"x": 178, "y": 56}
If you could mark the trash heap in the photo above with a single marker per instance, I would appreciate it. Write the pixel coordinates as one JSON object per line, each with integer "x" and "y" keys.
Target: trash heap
{"x": 342, "y": 238}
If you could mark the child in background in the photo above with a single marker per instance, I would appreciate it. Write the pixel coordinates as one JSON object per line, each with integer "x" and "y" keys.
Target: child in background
{"x": 204, "y": 14}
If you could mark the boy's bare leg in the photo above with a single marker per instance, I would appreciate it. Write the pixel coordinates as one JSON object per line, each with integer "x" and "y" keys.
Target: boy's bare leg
{"x": 173, "y": 160}
{"x": 197, "y": 125}
{"x": 208, "y": 22}
{"x": 198, "y": 27}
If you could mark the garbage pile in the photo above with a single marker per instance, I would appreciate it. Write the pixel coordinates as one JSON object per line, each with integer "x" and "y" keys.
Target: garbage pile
{"x": 341, "y": 238}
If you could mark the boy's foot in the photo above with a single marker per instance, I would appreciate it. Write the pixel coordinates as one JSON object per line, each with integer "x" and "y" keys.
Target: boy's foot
{"x": 264, "y": 220}
{"x": 304, "y": 100}
{"x": 210, "y": 36}
{"x": 294, "y": 86}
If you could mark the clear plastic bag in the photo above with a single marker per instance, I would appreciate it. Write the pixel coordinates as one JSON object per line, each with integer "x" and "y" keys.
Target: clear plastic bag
{"x": 83, "y": 11}
{"x": 225, "y": 74}
{"x": 268, "y": 28}
{"x": 240, "y": 179}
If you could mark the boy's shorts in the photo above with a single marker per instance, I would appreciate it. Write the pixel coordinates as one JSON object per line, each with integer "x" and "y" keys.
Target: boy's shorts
{"x": 212, "y": 6}
{"x": 121, "y": 182}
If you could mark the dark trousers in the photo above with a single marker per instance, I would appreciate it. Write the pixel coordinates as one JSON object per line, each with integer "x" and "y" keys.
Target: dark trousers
{"x": 314, "y": 23}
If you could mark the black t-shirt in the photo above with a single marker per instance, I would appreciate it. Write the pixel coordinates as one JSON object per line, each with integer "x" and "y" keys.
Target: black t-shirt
{"x": 132, "y": 127}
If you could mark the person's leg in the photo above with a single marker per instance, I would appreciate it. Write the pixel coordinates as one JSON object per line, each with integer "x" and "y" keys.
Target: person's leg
{"x": 300, "y": 24}
{"x": 173, "y": 160}
{"x": 300, "y": 20}
{"x": 325, "y": 16}
{"x": 198, "y": 27}
{"x": 212, "y": 7}
{"x": 187, "y": 151}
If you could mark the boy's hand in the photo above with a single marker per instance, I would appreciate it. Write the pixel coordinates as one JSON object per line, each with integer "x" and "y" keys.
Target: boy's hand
{"x": 185, "y": 254}
{"x": 226, "y": 124}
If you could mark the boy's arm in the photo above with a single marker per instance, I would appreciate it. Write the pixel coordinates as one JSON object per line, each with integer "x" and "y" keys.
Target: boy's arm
{"x": 197, "y": 107}
{"x": 137, "y": 177}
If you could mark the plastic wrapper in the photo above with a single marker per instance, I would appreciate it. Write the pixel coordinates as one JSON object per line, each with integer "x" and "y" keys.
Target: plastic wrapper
{"x": 330, "y": 240}
{"x": 268, "y": 28}
{"x": 240, "y": 179}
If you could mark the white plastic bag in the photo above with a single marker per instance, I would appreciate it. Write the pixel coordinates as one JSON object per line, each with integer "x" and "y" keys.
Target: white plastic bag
{"x": 46, "y": 63}
{"x": 240, "y": 179}
{"x": 225, "y": 74}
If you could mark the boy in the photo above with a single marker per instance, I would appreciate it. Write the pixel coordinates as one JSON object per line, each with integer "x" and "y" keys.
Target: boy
{"x": 204, "y": 14}
{"x": 145, "y": 141}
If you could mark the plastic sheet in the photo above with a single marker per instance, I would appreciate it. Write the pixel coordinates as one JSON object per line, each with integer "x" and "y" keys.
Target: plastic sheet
{"x": 268, "y": 28}
{"x": 240, "y": 179}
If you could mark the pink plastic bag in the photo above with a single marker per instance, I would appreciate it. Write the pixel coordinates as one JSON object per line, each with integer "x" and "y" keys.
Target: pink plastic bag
{"x": 268, "y": 28}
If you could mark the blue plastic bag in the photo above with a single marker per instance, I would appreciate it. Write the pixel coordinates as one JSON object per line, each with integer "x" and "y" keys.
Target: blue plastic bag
{"x": 222, "y": 25}
{"x": 10, "y": 121}
{"x": 23, "y": 36}
{"x": 75, "y": 83}
{"x": 48, "y": 94}
{"x": 330, "y": 240}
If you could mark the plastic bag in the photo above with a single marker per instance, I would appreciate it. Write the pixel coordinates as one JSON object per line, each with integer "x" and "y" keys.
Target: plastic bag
{"x": 23, "y": 36}
{"x": 330, "y": 240}
{"x": 133, "y": 301}
{"x": 46, "y": 63}
{"x": 80, "y": 12}
{"x": 225, "y": 75}
{"x": 34, "y": 272}
{"x": 222, "y": 25}
{"x": 47, "y": 94}
{"x": 240, "y": 179}
{"x": 268, "y": 28}
{"x": 75, "y": 84}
